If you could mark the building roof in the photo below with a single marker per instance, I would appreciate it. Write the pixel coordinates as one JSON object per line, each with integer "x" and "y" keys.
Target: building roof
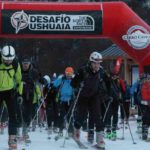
{"x": 114, "y": 51}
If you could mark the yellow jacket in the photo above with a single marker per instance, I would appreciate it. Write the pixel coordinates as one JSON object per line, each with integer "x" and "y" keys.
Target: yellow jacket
{"x": 9, "y": 78}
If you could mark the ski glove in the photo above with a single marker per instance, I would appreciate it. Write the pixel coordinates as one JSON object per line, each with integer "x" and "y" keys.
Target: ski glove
{"x": 20, "y": 99}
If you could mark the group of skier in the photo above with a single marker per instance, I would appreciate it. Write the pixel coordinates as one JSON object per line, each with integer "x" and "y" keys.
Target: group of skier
{"x": 90, "y": 96}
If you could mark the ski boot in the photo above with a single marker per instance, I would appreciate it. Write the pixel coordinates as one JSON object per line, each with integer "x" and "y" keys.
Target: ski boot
{"x": 60, "y": 135}
{"x": 18, "y": 137}
{"x": 55, "y": 130}
{"x": 49, "y": 130}
{"x": 2, "y": 126}
{"x": 144, "y": 132}
{"x": 76, "y": 134}
{"x": 69, "y": 135}
{"x": 121, "y": 122}
{"x": 90, "y": 136}
{"x": 34, "y": 126}
{"x": 100, "y": 140}
{"x": 109, "y": 135}
{"x": 76, "y": 138}
{"x": 139, "y": 125}
{"x": 70, "y": 132}
{"x": 25, "y": 135}
{"x": 12, "y": 142}
{"x": 114, "y": 136}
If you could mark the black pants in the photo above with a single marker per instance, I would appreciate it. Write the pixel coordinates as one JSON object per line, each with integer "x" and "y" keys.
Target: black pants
{"x": 65, "y": 112}
{"x": 10, "y": 100}
{"x": 27, "y": 105}
{"x": 112, "y": 116}
{"x": 91, "y": 119}
{"x": 91, "y": 105}
{"x": 52, "y": 113}
{"x": 145, "y": 120}
{"x": 27, "y": 112}
{"x": 145, "y": 115}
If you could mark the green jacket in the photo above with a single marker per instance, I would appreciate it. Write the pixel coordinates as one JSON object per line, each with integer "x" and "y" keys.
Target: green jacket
{"x": 37, "y": 94}
{"x": 9, "y": 79}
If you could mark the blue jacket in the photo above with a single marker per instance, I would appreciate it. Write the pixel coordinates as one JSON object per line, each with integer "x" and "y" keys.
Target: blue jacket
{"x": 64, "y": 88}
{"x": 133, "y": 88}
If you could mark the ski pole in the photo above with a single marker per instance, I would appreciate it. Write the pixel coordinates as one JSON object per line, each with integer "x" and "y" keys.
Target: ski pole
{"x": 123, "y": 131}
{"x": 36, "y": 115}
{"x": 128, "y": 124}
{"x": 110, "y": 101}
{"x": 72, "y": 112}
{"x": 2, "y": 113}
{"x": 22, "y": 119}
{"x": 69, "y": 111}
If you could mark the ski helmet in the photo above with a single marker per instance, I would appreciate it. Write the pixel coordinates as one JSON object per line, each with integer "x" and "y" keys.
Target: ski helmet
{"x": 8, "y": 53}
{"x": 69, "y": 71}
{"x": 47, "y": 78}
{"x": 95, "y": 57}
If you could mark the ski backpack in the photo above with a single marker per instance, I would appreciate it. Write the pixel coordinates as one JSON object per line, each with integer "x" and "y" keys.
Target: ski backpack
{"x": 145, "y": 89}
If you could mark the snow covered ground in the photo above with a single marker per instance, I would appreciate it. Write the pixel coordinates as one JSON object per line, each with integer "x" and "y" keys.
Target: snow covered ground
{"x": 40, "y": 141}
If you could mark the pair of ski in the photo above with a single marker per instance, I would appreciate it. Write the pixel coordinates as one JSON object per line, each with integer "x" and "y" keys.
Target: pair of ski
{"x": 82, "y": 146}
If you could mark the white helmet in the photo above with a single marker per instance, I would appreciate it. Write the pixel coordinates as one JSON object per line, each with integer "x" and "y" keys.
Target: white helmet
{"x": 8, "y": 53}
{"x": 47, "y": 78}
{"x": 95, "y": 57}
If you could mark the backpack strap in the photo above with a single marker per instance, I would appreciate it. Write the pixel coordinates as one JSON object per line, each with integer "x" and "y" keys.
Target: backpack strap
{"x": 60, "y": 86}
{"x": 14, "y": 66}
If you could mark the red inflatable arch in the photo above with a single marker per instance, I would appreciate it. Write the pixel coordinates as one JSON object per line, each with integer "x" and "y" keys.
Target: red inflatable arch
{"x": 114, "y": 20}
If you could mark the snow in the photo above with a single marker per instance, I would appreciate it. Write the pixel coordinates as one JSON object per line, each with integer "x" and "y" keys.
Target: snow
{"x": 40, "y": 141}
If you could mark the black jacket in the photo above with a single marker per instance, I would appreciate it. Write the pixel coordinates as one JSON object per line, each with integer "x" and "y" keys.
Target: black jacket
{"x": 94, "y": 83}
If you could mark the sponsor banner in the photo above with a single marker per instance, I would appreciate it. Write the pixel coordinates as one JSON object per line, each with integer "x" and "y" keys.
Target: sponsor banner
{"x": 137, "y": 37}
{"x": 43, "y": 22}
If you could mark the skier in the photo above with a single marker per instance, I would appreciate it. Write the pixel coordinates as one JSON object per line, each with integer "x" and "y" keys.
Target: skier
{"x": 65, "y": 95}
{"x": 51, "y": 105}
{"x": 135, "y": 92}
{"x": 117, "y": 90}
{"x": 90, "y": 79}
{"x": 126, "y": 104}
{"x": 10, "y": 82}
{"x": 29, "y": 78}
{"x": 144, "y": 99}
{"x": 45, "y": 81}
